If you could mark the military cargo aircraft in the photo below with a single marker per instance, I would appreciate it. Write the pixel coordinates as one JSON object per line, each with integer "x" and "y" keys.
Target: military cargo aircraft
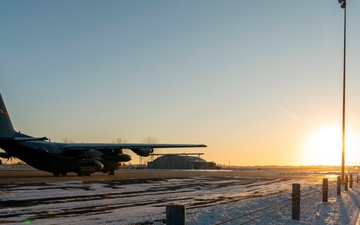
{"x": 62, "y": 158}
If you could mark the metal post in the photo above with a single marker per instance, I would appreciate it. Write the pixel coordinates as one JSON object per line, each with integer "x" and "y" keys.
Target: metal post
{"x": 338, "y": 187}
{"x": 343, "y": 6}
{"x": 346, "y": 182}
{"x": 296, "y": 201}
{"x": 175, "y": 215}
{"x": 325, "y": 189}
{"x": 351, "y": 180}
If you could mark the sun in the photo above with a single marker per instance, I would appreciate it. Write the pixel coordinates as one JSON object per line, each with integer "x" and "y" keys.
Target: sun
{"x": 323, "y": 147}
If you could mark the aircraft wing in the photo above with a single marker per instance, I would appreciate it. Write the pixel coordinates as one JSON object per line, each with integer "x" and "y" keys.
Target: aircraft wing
{"x": 140, "y": 149}
{"x": 21, "y": 139}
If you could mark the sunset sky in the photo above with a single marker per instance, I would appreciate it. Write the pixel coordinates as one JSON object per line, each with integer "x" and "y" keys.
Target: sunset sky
{"x": 259, "y": 82}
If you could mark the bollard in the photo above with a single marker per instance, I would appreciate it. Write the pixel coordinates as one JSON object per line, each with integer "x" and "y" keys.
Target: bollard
{"x": 175, "y": 215}
{"x": 325, "y": 189}
{"x": 346, "y": 182}
{"x": 357, "y": 178}
{"x": 351, "y": 180}
{"x": 338, "y": 188}
{"x": 296, "y": 201}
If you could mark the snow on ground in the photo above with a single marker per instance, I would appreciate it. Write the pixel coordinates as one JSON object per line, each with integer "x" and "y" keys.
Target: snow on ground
{"x": 342, "y": 209}
{"x": 208, "y": 200}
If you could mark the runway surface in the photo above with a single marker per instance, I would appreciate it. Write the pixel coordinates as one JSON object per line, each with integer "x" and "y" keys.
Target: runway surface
{"x": 14, "y": 173}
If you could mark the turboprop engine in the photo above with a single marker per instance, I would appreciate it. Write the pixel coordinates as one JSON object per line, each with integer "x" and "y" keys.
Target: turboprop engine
{"x": 143, "y": 151}
{"x": 117, "y": 158}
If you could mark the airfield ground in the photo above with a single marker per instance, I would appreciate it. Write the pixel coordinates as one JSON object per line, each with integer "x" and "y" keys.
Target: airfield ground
{"x": 24, "y": 173}
{"x": 136, "y": 195}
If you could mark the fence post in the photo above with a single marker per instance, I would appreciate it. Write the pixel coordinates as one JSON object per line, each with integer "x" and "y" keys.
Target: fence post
{"x": 346, "y": 182}
{"x": 175, "y": 215}
{"x": 338, "y": 187}
{"x": 325, "y": 189}
{"x": 351, "y": 180}
{"x": 296, "y": 201}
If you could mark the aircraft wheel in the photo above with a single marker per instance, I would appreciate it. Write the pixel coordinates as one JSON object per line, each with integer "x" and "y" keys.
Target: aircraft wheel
{"x": 112, "y": 172}
{"x": 56, "y": 174}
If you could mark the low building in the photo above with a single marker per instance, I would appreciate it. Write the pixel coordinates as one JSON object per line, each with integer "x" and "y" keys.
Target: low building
{"x": 173, "y": 161}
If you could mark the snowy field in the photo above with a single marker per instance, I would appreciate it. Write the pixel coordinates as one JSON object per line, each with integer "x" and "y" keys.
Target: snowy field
{"x": 208, "y": 200}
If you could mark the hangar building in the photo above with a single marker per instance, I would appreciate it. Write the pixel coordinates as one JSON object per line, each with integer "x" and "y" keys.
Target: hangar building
{"x": 175, "y": 161}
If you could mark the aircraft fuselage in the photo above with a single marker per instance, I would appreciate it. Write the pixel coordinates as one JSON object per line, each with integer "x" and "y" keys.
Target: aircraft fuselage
{"x": 52, "y": 157}
{"x": 61, "y": 158}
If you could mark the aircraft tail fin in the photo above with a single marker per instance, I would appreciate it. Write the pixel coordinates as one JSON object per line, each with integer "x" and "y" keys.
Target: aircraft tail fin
{"x": 6, "y": 127}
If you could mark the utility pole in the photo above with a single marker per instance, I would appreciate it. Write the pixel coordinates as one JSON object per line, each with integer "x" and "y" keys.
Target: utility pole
{"x": 343, "y": 6}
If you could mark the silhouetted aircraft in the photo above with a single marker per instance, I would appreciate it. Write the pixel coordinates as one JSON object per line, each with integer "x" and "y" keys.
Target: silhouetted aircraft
{"x": 61, "y": 158}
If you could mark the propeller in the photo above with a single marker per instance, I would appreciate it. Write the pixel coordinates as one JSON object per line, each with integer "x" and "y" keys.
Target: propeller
{"x": 148, "y": 140}
{"x": 10, "y": 158}
{"x": 120, "y": 140}
{"x": 152, "y": 140}
{"x": 68, "y": 140}
{"x": 7, "y": 156}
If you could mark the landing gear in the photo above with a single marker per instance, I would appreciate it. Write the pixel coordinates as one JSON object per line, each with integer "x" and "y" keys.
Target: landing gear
{"x": 56, "y": 173}
{"x": 112, "y": 172}
{"x": 83, "y": 174}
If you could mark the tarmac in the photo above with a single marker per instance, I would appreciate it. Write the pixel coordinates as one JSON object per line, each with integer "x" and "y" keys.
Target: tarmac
{"x": 25, "y": 173}
{"x": 10, "y": 174}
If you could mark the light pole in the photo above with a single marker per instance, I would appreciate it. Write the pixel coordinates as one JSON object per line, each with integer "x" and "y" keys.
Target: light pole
{"x": 343, "y": 6}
